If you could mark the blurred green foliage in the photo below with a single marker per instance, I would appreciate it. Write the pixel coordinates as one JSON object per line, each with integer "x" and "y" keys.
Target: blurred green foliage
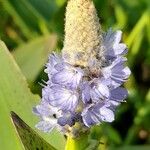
{"x": 33, "y": 28}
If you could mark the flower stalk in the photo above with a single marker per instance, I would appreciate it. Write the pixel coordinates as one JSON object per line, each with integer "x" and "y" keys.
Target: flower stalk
{"x": 77, "y": 143}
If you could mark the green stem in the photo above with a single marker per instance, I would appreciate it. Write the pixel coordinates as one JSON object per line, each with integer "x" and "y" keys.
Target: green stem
{"x": 77, "y": 144}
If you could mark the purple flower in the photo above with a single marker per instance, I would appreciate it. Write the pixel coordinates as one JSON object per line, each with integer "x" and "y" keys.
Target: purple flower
{"x": 48, "y": 115}
{"x": 85, "y": 88}
{"x": 95, "y": 114}
{"x": 112, "y": 45}
{"x": 67, "y": 75}
{"x": 87, "y": 95}
{"x": 117, "y": 72}
{"x": 46, "y": 125}
{"x": 99, "y": 90}
{"x": 118, "y": 94}
{"x": 62, "y": 121}
{"x": 63, "y": 98}
{"x": 45, "y": 109}
{"x": 52, "y": 61}
{"x": 69, "y": 119}
{"x": 46, "y": 93}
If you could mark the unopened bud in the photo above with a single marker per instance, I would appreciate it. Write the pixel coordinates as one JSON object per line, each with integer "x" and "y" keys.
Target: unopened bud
{"x": 82, "y": 32}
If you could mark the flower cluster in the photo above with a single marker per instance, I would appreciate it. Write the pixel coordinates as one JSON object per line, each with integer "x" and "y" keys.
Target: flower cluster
{"x": 84, "y": 95}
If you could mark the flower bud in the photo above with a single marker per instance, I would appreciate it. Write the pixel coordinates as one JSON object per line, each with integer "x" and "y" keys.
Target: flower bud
{"x": 82, "y": 32}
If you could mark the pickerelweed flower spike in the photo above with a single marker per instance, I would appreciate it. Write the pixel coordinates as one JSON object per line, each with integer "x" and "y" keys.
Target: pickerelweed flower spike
{"x": 85, "y": 81}
{"x": 82, "y": 32}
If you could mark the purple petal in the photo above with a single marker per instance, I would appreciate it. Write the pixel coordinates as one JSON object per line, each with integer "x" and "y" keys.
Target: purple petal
{"x": 95, "y": 114}
{"x": 107, "y": 115}
{"x": 113, "y": 47}
{"x": 99, "y": 90}
{"x": 89, "y": 117}
{"x": 68, "y": 119}
{"x": 118, "y": 94}
{"x": 120, "y": 49}
{"x": 85, "y": 88}
{"x": 52, "y": 61}
{"x": 63, "y": 98}
{"x": 45, "y": 109}
{"x": 46, "y": 126}
{"x": 63, "y": 65}
{"x": 46, "y": 93}
{"x": 68, "y": 76}
{"x": 113, "y": 103}
{"x": 117, "y": 72}
{"x": 42, "y": 110}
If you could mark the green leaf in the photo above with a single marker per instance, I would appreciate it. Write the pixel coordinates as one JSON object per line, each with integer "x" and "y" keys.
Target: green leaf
{"x": 143, "y": 113}
{"x": 60, "y": 2}
{"x": 112, "y": 134}
{"x": 30, "y": 139}
{"x": 32, "y": 56}
{"x": 17, "y": 18}
{"x": 30, "y": 14}
{"x": 121, "y": 17}
{"x": 136, "y": 45}
{"x": 16, "y": 96}
{"x": 96, "y": 132}
{"x": 7, "y": 130}
{"x": 137, "y": 147}
{"x": 137, "y": 29}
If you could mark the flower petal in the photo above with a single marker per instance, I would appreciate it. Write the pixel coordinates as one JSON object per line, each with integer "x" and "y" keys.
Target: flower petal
{"x": 63, "y": 98}
{"x": 117, "y": 72}
{"x": 68, "y": 76}
{"x": 89, "y": 118}
{"x": 46, "y": 126}
{"x": 85, "y": 88}
{"x": 118, "y": 94}
{"x": 52, "y": 61}
{"x": 46, "y": 110}
{"x": 113, "y": 47}
{"x": 95, "y": 114}
{"x": 99, "y": 90}
{"x": 107, "y": 115}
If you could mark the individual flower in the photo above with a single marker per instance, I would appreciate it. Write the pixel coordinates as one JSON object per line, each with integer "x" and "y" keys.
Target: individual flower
{"x": 52, "y": 61}
{"x": 64, "y": 70}
{"x": 112, "y": 45}
{"x": 48, "y": 115}
{"x": 99, "y": 90}
{"x": 96, "y": 114}
{"x": 117, "y": 72}
{"x": 63, "y": 98}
